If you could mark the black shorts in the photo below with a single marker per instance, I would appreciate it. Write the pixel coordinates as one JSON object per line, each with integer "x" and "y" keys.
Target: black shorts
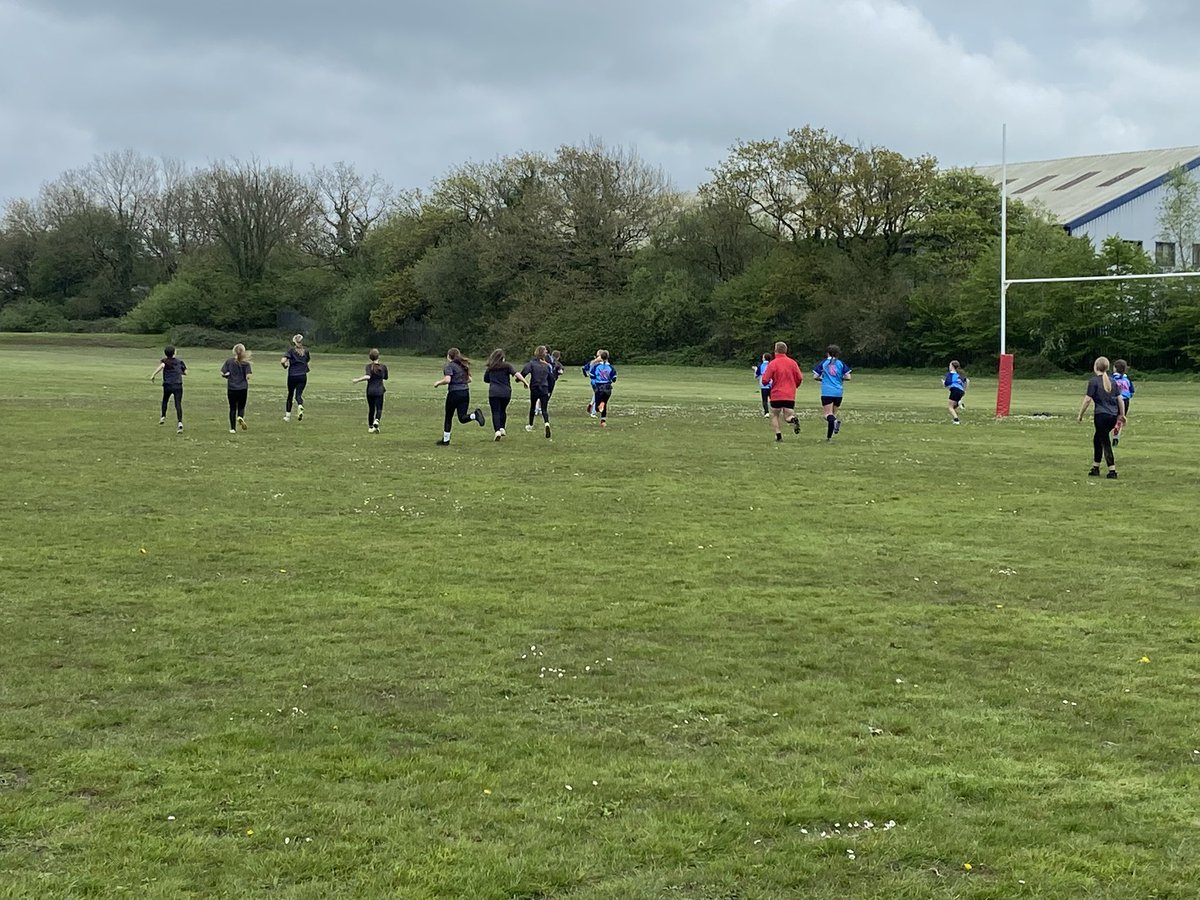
{"x": 836, "y": 401}
{"x": 955, "y": 395}
{"x": 783, "y": 404}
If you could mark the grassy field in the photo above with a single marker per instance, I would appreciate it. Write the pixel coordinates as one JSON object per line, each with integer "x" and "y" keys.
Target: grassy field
{"x": 669, "y": 659}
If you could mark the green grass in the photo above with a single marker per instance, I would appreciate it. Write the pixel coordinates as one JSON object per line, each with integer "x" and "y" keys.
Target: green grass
{"x": 307, "y": 662}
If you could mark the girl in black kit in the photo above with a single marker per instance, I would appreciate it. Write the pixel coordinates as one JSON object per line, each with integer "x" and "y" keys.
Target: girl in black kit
{"x": 539, "y": 372}
{"x": 1110, "y": 411}
{"x": 296, "y": 361}
{"x": 374, "y": 375}
{"x": 498, "y": 373}
{"x": 456, "y": 375}
{"x": 236, "y": 372}
{"x": 173, "y": 370}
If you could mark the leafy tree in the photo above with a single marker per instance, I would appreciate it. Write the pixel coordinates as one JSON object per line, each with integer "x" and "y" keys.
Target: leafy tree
{"x": 1179, "y": 215}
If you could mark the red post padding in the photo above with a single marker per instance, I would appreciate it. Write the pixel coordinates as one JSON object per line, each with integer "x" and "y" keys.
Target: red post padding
{"x": 1004, "y": 385}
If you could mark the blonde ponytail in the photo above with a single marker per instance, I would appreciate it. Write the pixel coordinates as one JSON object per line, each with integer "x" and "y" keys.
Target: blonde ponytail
{"x": 1101, "y": 369}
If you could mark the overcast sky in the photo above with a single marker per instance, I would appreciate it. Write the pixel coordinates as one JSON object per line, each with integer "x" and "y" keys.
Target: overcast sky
{"x": 411, "y": 88}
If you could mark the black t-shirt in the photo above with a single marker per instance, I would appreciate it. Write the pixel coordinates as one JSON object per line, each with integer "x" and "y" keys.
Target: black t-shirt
{"x": 1105, "y": 401}
{"x": 297, "y": 362}
{"x": 173, "y": 370}
{"x": 459, "y": 379}
{"x": 538, "y": 373}
{"x": 500, "y": 380}
{"x": 375, "y": 382}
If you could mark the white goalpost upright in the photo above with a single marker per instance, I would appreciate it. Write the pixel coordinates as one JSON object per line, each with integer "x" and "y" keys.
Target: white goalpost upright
{"x": 1005, "y": 382}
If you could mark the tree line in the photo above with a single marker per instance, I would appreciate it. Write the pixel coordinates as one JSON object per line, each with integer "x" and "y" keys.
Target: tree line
{"x": 807, "y": 238}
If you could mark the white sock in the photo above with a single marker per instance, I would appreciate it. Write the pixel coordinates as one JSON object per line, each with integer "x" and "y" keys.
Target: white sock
{"x": 471, "y": 417}
{"x": 445, "y": 436}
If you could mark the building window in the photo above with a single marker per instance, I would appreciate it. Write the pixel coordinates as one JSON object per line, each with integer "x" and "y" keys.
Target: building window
{"x": 1164, "y": 254}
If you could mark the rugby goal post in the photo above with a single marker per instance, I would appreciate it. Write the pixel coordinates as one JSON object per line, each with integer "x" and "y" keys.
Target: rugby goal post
{"x": 1004, "y": 383}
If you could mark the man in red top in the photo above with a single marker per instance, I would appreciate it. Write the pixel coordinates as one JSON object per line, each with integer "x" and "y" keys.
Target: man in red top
{"x": 784, "y": 376}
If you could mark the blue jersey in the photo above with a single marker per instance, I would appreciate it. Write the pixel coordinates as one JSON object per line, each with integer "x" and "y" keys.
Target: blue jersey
{"x": 832, "y": 373}
{"x": 603, "y": 374}
{"x": 954, "y": 381}
{"x": 758, "y": 373}
{"x": 1122, "y": 382}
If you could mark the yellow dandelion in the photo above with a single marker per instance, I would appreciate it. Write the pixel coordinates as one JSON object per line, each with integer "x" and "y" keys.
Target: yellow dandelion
{"x": 249, "y": 832}
{"x": 966, "y": 867}
{"x": 487, "y": 792}
{"x": 1144, "y": 659}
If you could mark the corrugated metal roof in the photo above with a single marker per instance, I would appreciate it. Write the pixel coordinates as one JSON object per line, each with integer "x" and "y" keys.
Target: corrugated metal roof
{"x": 1080, "y": 188}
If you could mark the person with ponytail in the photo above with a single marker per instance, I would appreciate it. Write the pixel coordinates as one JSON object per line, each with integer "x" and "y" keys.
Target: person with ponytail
{"x": 833, "y": 372}
{"x": 537, "y": 371}
{"x": 1109, "y": 414}
{"x": 236, "y": 372}
{"x": 956, "y": 382}
{"x": 374, "y": 375}
{"x": 456, "y": 375}
{"x": 295, "y": 360}
{"x": 499, "y": 374}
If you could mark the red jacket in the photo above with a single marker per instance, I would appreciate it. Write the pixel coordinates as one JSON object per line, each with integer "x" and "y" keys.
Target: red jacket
{"x": 784, "y": 376}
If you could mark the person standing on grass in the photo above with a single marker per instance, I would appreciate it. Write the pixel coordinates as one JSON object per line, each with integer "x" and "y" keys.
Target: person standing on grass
{"x": 603, "y": 376}
{"x": 833, "y": 373}
{"x": 456, "y": 375}
{"x": 537, "y": 371}
{"x": 784, "y": 377}
{"x": 1109, "y": 414}
{"x": 764, "y": 389}
{"x": 1120, "y": 376}
{"x": 374, "y": 375}
{"x": 498, "y": 374}
{"x": 956, "y": 382}
{"x": 173, "y": 369}
{"x": 587, "y": 372}
{"x": 236, "y": 373}
{"x": 296, "y": 361}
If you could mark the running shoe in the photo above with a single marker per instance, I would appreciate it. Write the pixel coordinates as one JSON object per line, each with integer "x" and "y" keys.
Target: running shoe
{"x": 529, "y": 428}
{"x": 837, "y": 425}
{"x": 956, "y": 422}
{"x": 300, "y": 413}
{"x": 242, "y": 423}
{"x": 1112, "y": 473}
{"x": 162, "y": 421}
{"x": 479, "y": 417}
{"x": 795, "y": 423}
{"x": 1094, "y": 471}
{"x": 179, "y": 429}
{"x": 287, "y": 417}
{"x": 233, "y": 431}
{"x": 442, "y": 443}
{"x": 603, "y": 423}
{"x": 498, "y": 436}
{"x": 1116, "y": 440}
{"x": 547, "y": 431}
{"x": 375, "y": 424}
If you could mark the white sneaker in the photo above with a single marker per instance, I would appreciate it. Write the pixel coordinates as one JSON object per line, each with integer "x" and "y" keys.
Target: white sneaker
{"x": 498, "y": 436}
{"x": 547, "y": 430}
{"x": 375, "y": 424}
{"x": 287, "y": 417}
{"x": 233, "y": 431}
{"x": 529, "y": 428}
{"x": 162, "y": 421}
{"x": 179, "y": 430}
{"x": 503, "y": 433}
{"x": 241, "y": 423}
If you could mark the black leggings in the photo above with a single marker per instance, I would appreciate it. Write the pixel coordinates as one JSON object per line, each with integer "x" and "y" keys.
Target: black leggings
{"x": 603, "y": 400}
{"x": 237, "y": 405}
{"x": 176, "y": 391}
{"x": 374, "y": 408}
{"x": 536, "y": 394}
{"x": 457, "y": 402}
{"x": 1101, "y": 444}
{"x": 296, "y": 388}
{"x": 766, "y": 397}
{"x": 499, "y": 407}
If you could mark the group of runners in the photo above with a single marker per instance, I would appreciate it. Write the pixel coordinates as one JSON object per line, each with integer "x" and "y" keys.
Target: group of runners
{"x": 779, "y": 377}
{"x": 539, "y": 376}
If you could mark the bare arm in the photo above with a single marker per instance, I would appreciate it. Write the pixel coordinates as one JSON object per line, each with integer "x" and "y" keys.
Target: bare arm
{"x": 1087, "y": 401}
{"x": 445, "y": 380}
{"x": 284, "y": 361}
{"x": 360, "y": 378}
{"x": 161, "y": 366}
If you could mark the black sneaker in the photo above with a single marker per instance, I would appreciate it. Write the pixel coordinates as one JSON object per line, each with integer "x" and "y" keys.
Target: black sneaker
{"x": 837, "y": 425}
{"x": 442, "y": 444}
{"x": 479, "y": 417}
{"x": 795, "y": 423}
{"x": 778, "y": 438}
{"x": 547, "y": 431}
{"x": 1094, "y": 471}
{"x": 1112, "y": 473}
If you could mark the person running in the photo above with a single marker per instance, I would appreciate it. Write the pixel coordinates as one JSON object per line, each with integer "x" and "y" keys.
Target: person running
{"x": 784, "y": 377}
{"x": 603, "y": 376}
{"x": 587, "y": 372}
{"x": 537, "y": 371}
{"x": 1109, "y": 414}
{"x": 833, "y": 373}
{"x": 456, "y": 375}
{"x": 296, "y": 360}
{"x": 956, "y": 381}
{"x": 764, "y": 389}
{"x": 236, "y": 372}
{"x": 498, "y": 374}
{"x": 556, "y": 369}
{"x": 375, "y": 374}
{"x": 173, "y": 369}
{"x": 1120, "y": 376}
